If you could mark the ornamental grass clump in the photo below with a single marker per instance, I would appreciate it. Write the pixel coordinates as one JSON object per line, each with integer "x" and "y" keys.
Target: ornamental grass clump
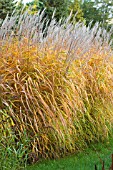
{"x": 55, "y": 84}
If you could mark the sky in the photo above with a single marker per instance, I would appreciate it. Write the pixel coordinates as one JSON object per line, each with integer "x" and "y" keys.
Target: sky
{"x": 25, "y": 1}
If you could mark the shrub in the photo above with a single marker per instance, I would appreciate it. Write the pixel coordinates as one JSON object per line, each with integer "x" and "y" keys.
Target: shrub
{"x": 57, "y": 88}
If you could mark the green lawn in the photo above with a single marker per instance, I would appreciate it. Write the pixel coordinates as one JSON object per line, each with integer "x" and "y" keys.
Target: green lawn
{"x": 85, "y": 160}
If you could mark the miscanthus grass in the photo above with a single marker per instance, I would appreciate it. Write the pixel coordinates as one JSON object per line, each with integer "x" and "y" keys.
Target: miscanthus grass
{"x": 56, "y": 85}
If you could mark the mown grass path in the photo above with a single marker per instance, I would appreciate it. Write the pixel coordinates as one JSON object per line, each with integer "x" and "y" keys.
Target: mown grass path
{"x": 85, "y": 160}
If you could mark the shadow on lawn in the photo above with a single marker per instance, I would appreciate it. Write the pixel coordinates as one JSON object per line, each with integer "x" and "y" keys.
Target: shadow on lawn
{"x": 103, "y": 164}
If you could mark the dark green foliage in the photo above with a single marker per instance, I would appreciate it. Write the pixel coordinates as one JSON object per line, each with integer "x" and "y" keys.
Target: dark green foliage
{"x": 105, "y": 8}
{"x": 97, "y": 11}
{"x": 6, "y": 7}
{"x": 60, "y": 6}
{"x": 91, "y": 13}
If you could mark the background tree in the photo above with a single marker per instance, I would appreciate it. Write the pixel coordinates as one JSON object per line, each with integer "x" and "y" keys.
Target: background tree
{"x": 6, "y": 7}
{"x": 75, "y": 7}
{"x": 105, "y": 8}
{"x": 90, "y": 12}
{"x": 60, "y": 6}
{"x": 97, "y": 11}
